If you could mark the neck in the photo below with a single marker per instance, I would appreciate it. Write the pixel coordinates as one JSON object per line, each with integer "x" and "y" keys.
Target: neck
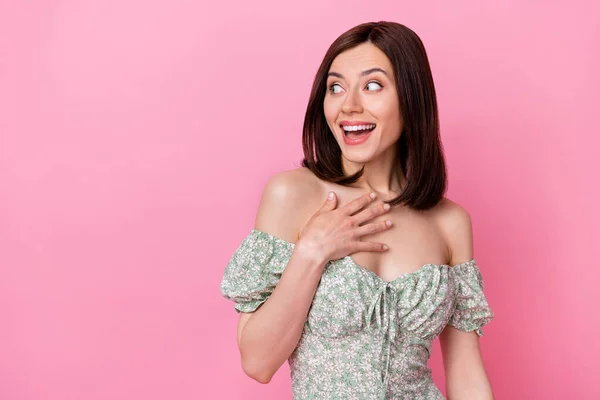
{"x": 382, "y": 175}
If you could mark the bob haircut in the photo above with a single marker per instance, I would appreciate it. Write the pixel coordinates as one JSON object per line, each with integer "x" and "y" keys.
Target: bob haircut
{"x": 420, "y": 150}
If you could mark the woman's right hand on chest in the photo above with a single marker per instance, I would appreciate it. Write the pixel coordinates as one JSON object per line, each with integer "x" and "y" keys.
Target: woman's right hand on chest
{"x": 332, "y": 233}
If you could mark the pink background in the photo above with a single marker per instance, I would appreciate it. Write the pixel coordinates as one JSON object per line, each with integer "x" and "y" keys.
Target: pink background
{"x": 136, "y": 137}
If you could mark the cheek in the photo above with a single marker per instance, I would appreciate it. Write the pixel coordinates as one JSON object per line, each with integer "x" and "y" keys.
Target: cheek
{"x": 330, "y": 111}
{"x": 388, "y": 112}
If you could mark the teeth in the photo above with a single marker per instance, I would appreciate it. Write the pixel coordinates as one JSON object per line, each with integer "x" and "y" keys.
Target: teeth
{"x": 349, "y": 128}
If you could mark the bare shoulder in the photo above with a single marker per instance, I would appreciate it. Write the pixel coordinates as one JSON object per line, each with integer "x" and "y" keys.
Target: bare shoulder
{"x": 287, "y": 201}
{"x": 455, "y": 223}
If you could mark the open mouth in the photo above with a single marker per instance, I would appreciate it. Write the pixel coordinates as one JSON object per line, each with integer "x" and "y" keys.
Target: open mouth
{"x": 356, "y": 131}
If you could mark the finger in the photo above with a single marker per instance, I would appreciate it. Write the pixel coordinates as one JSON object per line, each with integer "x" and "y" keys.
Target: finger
{"x": 358, "y": 203}
{"x": 330, "y": 202}
{"x": 371, "y": 246}
{"x": 370, "y": 213}
{"x": 369, "y": 229}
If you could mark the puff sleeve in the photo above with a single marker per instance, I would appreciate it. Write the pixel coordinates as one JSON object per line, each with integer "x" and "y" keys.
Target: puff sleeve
{"x": 254, "y": 270}
{"x": 472, "y": 310}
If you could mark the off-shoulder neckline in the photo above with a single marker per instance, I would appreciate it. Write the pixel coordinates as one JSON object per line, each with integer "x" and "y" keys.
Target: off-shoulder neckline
{"x": 363, "y": 269}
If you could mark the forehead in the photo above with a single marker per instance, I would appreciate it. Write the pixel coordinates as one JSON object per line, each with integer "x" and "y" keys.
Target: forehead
{"x": 360, "y": 58}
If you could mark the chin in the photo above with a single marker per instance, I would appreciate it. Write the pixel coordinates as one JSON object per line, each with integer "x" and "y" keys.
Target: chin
{"x": 358, "y": 157}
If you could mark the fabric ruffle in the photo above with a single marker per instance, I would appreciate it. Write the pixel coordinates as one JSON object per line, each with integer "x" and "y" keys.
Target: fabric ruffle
{"x": 254, "y": 270}
{"x": 472, "y": 310}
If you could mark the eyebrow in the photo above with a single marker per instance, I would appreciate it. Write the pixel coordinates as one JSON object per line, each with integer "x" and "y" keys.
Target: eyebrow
{"x": 364, "y": 73}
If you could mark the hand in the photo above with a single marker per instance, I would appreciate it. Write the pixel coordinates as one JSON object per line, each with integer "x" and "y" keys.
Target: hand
{"x": 335, "y": 233}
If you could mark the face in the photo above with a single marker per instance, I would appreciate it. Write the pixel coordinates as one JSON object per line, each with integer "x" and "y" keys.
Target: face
{"x": 361, "y": 104}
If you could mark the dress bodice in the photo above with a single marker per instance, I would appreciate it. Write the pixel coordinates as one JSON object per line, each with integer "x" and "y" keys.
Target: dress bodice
{"x": 364, "y": 337}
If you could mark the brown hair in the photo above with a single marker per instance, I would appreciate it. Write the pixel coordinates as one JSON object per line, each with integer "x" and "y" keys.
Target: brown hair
{"x": 419, "y": 147}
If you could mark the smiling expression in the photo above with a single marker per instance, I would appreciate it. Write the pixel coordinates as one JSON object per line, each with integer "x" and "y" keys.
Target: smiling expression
{"x": 361, "y": 90}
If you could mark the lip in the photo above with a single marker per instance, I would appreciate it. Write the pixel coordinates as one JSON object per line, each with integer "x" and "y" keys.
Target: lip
{"x": 360, "y": 140}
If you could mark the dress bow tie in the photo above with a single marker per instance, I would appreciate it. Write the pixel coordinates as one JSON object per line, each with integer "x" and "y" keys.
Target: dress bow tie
{"x": 382, "y": 310}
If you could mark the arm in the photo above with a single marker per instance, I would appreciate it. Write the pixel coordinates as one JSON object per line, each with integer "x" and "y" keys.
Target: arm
{"x": 466, "y": 378}
{"x": 268, "y": 336}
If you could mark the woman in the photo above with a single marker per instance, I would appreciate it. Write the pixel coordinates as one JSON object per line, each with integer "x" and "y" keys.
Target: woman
{"x": 352, "y": 288}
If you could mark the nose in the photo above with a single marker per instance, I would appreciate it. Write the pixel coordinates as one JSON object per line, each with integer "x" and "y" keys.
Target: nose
{"x": 352, "y": 103}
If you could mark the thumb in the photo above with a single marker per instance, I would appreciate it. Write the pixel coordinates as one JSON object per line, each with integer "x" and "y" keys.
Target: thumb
{"x": 330, "y": 203}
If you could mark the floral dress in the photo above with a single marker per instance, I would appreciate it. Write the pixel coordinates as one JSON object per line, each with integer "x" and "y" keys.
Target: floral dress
{"x": 364, "y": 338}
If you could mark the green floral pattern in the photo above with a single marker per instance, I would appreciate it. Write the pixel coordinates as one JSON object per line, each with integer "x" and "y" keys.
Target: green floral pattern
{"x": 364, "y": 338}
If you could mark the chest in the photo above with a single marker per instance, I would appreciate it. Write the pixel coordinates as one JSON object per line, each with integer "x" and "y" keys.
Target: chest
{"x": 415, "y": 239}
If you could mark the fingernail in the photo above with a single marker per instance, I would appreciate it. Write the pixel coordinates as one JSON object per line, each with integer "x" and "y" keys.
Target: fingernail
{"x": 386, "y": 206}
{"x": 330, "y": 196}
{"x": 388, "y": 222}
{"x": 372, "y": 195}
{"x": 385, "y": 247}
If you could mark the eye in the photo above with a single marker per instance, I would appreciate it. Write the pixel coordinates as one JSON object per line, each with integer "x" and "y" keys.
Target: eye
{"x": 332, "y": 88}
{"x": 377, "y": 87}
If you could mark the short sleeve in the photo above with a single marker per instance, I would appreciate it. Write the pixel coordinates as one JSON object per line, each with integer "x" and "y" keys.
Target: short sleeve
{"x": 472, "y": 310}
{"x": 254, "y": 270}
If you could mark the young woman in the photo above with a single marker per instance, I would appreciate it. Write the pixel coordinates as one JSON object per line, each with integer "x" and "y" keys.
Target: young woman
{"x": 353, "y": 287}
